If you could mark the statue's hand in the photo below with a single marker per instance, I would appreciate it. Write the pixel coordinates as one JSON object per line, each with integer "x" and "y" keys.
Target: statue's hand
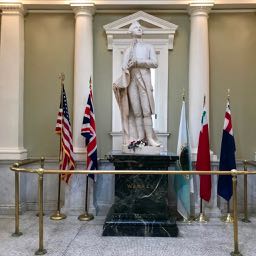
{"x": 131, "y": 63}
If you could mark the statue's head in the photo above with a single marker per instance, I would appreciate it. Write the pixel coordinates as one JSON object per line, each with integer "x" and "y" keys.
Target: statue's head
{"x": 135, "y": 29}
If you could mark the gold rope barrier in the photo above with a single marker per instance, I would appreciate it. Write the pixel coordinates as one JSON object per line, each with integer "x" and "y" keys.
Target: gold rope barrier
{"x": 17, "y": 232}
{"x": 235, "y": 221}
{"x": 41, "y": 250}
{"x": 42, "y": 171}
{"x": 158, "y": 172}
{"x": 42, "y": 166}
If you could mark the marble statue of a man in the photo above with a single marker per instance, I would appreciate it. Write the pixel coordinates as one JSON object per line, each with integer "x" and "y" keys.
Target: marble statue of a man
{"x": 134, "y": 91}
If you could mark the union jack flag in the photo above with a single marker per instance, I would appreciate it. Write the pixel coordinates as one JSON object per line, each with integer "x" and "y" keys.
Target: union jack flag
{"x": 63, "y": 128}
{"x": 89, "y": 132}
{"x": 227, "y": 156}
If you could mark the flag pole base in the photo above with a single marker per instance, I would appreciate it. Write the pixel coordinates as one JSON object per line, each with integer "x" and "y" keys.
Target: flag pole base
{"x": 245, "y": 220}
{"x": 227, "y": 219}
{"x": 40, "y": 252}
{"x": 58, "y": 216}
{"x": 86, "y": 217}
{"x": 37, "y": 215}
{"x": 17, "y": 234}
{"x": 236, "y": 254}
{"x": 188, "y": 221}
{"x": 202, "y": 218}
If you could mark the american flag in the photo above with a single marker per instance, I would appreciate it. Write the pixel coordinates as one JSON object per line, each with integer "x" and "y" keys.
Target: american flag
{"x": 89, "y": 132}
{"x": 63, "y": 128}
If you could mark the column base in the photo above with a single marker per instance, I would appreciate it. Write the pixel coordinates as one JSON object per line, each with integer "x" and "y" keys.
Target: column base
{"x": 9, "y": 209}
{"x": 13, "y": 153}
{"x": 79, "y": 154}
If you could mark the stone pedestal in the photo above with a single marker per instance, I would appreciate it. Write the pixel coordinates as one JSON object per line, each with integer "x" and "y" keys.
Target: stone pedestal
{"x": 140, "y": 207}
{"x": 144, "y": 150}
{"x": 75, "y": 193}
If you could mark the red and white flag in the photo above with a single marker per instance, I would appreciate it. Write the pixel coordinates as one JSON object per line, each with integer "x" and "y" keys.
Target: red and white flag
{"x": 203, "y": 158}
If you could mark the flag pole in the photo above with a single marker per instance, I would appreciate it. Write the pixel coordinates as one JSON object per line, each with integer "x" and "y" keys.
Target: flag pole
{"x": 58, "y": 215}
{"x": 228, "y": 218}
{"x": 202, "y": 218}
{"x": 86, "y": 216}
{"x": 183, "y": 94}
{"x": 190, "y": 219}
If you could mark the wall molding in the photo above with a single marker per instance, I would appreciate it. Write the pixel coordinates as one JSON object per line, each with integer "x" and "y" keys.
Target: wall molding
{"x": 122, "y": 11}
{"x": 107, "y": 5}
{"x": 9, "y": 209}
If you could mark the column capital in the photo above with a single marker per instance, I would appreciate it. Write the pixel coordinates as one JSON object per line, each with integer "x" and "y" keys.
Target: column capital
{"x": 200, "y": 8}
{"x": 83, "y": 9}
{"x": 12, "y": 9}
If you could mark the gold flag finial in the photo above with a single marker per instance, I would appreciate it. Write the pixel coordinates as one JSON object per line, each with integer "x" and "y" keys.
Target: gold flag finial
{"x": 204, "y": 99}
{"x": 228, "y": 93}
{"x": 90, "y": 83}
{"x": 183, "y": 94}
{"x": 62, "y": 78}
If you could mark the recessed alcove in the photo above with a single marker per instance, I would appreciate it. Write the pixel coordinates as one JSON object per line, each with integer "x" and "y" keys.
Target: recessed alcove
{"x": 160, "y": 34}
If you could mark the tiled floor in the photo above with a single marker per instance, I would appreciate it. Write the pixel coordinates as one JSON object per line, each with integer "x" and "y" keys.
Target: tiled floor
{"x": 72, "y": 237}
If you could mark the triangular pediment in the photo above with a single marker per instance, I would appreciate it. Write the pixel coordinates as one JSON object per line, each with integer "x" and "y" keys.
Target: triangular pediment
{"x": 153, "y": 27}
{"x": 148, "y": 22}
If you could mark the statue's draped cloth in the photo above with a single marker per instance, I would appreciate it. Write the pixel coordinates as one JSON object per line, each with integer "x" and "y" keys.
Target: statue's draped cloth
{"x": 120, "y": 88}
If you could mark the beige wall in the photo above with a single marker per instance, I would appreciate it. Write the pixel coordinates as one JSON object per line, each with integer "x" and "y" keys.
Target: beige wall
{"x": 49, "y": 47}
{"x": 49, "y": 50}
{"x": 232, "y": 65}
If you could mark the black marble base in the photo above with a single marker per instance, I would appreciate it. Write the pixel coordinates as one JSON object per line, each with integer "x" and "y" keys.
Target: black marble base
{"x": 134, "y": 224}
{"x": 140, "y": 207}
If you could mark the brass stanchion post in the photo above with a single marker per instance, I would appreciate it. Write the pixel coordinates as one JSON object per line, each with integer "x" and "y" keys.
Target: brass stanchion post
{"x": 42, "y": 159}
{"x": 202, "y": 218}
{"x": 235, "y": 222}
{"x": 245, "y": 219}
{"x": 42, "y": 166}
{"x": 17, "y": 232}
{"x": 86, "y": 216}
{"x": 41, "y": 250}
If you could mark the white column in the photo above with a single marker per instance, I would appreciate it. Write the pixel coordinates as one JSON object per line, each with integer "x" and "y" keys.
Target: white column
{"x": 12, "y": 82}
{"x": 199, "y": 86}
{"x": 83, "y": 70}
{"x": 198, "y": 68}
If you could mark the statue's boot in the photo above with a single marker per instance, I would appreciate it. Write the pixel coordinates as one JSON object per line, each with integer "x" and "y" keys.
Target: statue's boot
{"x": 150, "y": 133}
{"x": 125, "y": 140}
{"x": 140, "y": 128}
{"x": 125, "y": 126}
